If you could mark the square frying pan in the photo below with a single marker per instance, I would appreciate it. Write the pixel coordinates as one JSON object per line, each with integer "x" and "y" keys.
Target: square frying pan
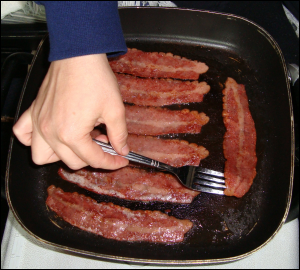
{"x": 225, "y": 228}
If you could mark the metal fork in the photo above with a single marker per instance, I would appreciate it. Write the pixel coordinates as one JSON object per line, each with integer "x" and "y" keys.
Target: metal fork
{"x": 192, "y": 177}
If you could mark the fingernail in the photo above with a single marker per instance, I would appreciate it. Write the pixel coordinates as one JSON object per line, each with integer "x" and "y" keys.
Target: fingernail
{"x": 125, "y": 150}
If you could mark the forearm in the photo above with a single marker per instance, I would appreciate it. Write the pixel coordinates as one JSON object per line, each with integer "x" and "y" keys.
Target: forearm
{"x": 79, "y": 28}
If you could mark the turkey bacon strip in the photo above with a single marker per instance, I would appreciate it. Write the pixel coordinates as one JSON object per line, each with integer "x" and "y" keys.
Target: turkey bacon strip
{"x": 157, "y": 65}
{"x": 116, "y": 222}
{"x": 176, "y": 153}
{"x": 161, "y": 121}
{"x": 131, "y": 184}
{"x": 160, "y": 92}
{"x": 239, "y": 141}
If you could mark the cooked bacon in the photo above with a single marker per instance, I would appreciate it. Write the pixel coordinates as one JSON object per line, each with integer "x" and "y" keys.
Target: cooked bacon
{"x": 131, "y": 184}
{"x": 176, "y": 153}
{"x": 239, "y": 141}
{"x": 157, "y": 65}
{"x": 116, "y": 222}
{"x": 160, "y": 92}
{"x": 160, "y": 121}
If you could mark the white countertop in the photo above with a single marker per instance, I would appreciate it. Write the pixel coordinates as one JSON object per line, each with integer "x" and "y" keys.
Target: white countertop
{"x": 20, "y": 250}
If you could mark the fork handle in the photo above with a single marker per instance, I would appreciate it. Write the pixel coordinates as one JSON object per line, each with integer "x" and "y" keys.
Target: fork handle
{"x": 107, "y": 148}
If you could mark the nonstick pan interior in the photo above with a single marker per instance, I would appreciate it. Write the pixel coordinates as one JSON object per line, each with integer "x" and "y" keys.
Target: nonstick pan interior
{"x": 225, "y": 228}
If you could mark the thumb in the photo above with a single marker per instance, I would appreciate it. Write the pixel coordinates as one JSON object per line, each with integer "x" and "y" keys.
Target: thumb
{"x": 117, "y": 131}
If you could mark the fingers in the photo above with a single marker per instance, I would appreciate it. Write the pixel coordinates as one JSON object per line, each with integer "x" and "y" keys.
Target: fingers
{"x": 75, "y": 155}
{"x": 117, "y": 130}
{"x": 23, "y": 128}
{"x": 89, "y": 153}
{"x": 43, "y": 153}
{"x": 77, "y": 94}
{"x": 92, "y": 154}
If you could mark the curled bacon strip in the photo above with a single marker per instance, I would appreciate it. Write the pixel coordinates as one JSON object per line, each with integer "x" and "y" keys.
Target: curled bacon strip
{"x": 157, "y": 65}
{"x": 158, "y": 121}
{"x": 131, "y": 184}
{"x": 160, "y": 92}
{"x": 240, "y": 140}
{"x": 176, "y": 153}
{"x": 116, "y": 222}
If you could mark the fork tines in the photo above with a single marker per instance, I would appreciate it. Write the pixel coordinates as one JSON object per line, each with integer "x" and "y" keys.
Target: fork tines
{"x": 209, "y": 181}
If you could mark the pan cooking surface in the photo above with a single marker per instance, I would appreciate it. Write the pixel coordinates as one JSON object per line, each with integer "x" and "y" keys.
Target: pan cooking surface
{"x": 224, "y": 227}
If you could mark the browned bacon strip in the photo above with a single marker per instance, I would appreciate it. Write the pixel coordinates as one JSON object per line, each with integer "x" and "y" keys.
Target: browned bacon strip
{"x": 157, "y": 121}
{"x": 160, "y": 92}
{"x": 116, "y": 222}
{"x": 239, "y": 141}
{"x": 173, "y": 152}
{"x": 131, "y": 184}
{"x": 157, "y": 65}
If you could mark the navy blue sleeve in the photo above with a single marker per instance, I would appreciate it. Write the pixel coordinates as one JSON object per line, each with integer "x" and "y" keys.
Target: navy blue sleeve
{"x": 83, "y": 27}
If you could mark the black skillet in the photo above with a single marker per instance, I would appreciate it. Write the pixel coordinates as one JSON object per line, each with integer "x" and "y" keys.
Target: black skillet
{"x": 225, "y": 228}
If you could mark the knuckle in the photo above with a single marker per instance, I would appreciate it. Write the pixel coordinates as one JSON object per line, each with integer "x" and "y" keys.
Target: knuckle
{"x": 44, "y": 128}
{"x": 65, "y": 137}
{"x": 76, "y": 165}
{"x": 99, "y": 162}
{"x": 122, "y": 137}
{"x": 119, "y": 138}
{"x": 96, "y": 165}
{"x": 38, "y": 160}
{"x": 118, "y": 113}
{"x": 16, "y": 130}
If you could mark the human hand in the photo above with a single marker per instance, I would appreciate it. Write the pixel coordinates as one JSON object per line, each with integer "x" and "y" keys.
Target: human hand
{"x": 76, "y": 95}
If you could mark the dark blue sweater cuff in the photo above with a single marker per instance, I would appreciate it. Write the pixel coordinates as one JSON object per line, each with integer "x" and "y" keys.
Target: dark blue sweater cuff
{"x": 83, "y": 27}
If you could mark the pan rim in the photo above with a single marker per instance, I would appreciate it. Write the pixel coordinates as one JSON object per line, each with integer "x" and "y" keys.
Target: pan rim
{"x": 154, "y": 261}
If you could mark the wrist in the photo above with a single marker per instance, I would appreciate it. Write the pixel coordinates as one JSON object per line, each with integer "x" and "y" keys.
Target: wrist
{"x": 80, "y": 63}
